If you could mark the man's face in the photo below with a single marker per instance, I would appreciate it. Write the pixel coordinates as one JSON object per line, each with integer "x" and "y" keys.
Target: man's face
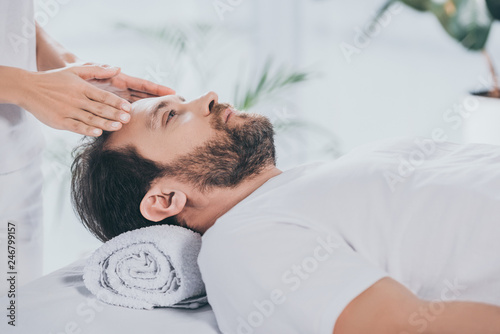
{"x": 200, "y": 142}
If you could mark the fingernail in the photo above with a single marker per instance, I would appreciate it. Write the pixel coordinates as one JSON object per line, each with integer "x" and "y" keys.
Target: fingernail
{"x": 115, "y": 124}
{"x": 109, "y": 67}
{"x": 97, "y": 132}
{"x": 126, "y": 107}
{"x": 124, "y": 117}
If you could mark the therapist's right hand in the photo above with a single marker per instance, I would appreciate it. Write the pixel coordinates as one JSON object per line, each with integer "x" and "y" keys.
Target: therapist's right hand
{"x": 63, "y": 99}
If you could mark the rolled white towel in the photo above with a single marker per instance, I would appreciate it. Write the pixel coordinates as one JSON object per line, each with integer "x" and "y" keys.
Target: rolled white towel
{"x": 150, "y": 267}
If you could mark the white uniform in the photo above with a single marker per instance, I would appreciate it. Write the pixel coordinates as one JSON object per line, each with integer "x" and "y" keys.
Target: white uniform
{"x": 290, "y": 256}
{"x": 21, "y": 143}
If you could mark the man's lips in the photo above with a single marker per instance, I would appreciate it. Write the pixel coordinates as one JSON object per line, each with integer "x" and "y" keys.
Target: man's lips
{"x": 228, "y": 113}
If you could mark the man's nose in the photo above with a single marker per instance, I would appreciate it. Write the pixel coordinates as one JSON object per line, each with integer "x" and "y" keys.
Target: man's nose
{"x": 207, "y": 102}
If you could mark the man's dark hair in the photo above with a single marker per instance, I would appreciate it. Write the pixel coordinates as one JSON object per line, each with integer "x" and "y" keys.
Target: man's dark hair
{"x": 108, "y": 185}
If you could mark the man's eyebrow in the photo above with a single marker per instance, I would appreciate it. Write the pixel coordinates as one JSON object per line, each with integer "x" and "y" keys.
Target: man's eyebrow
{"x": 152, "y": 122}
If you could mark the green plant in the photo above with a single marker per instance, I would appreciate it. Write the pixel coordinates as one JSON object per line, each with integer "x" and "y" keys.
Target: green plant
{"x": 467, "y": 21}
{"x": 269, "y": 83}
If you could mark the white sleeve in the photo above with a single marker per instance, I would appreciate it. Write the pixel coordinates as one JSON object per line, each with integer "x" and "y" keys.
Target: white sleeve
{"x": 266, "y": 277}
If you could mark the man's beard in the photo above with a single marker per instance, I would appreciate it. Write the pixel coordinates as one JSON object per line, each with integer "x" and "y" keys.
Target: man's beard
{"x": 239, "y": 152}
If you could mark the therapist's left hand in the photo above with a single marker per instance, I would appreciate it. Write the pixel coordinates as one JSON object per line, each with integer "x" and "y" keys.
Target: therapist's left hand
{"x": 131, "y": 88}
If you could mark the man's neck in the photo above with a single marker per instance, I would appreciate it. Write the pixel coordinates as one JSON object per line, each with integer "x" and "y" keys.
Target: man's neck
{"x": 203, "y": 210}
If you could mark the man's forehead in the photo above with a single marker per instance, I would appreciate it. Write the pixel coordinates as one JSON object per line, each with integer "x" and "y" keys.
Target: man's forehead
{"x": 141, "y": 113}
{"x": 148, "y": 104}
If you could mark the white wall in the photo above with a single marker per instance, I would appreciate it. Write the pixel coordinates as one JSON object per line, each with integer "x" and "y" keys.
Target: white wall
{"x": 401, "y": 84}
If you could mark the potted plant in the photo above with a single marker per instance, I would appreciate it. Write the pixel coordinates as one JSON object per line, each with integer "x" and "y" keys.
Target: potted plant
{"x": 469, "y": 22}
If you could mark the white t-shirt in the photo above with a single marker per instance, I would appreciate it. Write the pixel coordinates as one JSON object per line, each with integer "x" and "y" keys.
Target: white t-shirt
{"x": 293, "y": 254}
{"x": 21, "y": 139}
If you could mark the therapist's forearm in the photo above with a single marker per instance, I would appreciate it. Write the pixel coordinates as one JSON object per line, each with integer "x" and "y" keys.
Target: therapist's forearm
{"x": 463, "y": 318}
{"x": 12, "y": 81}
{"x": 49, "y": 53}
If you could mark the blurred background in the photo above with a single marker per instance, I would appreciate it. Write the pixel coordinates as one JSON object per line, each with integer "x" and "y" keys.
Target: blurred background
{"x": 330, "y": 74}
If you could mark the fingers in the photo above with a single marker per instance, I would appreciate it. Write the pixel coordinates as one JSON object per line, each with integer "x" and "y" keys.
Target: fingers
{"x": 106, "y": 113}
{"x": 88, "y": 72}
{"x": 81, "y": 128}
{"x": 163, "y": 90}
{"x": 107, "y": 98}
{"x": 103, "y": 111}
{"x": 90, "y": 124}
{"x": 95, "y": 121}
{"x": 140, "y": 95}
{"x": 133, "y": 95}
{"x": 146, "y": 86}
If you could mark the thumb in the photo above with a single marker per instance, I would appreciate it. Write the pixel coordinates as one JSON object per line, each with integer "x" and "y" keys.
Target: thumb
{"x": 96, "y": 71}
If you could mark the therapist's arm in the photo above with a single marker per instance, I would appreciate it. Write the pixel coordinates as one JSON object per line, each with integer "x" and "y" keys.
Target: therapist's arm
{"x": 51, "y": 55}
{"x": 388, "y": 307}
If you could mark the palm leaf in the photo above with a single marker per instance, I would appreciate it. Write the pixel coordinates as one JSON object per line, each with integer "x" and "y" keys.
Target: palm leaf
{"x": 494, "y": 7}
{"x": 468, "y": 22}
{"x": 269, "y": 83}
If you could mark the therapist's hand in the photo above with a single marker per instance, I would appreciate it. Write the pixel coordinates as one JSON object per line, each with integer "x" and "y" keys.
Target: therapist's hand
{"x": 64, "y": 99}
{"x": 130, "y": 88}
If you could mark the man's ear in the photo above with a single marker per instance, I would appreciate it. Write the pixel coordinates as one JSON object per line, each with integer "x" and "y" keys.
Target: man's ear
{"x": 159, "y": 204}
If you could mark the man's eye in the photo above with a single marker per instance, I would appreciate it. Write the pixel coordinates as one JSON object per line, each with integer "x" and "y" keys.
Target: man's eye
{"x": 170, "y": 115}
